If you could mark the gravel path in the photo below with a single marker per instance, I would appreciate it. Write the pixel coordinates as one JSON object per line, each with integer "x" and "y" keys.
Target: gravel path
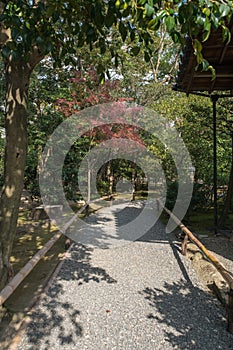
{"x": 140, "y": 295}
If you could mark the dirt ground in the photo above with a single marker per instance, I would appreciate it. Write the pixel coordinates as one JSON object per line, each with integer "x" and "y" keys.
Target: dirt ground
{"x": 33, "y": 234}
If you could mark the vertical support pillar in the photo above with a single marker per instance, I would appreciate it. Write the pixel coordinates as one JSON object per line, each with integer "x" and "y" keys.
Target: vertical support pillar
{"x": 214, "y": 99}
{"x": 230, "y": 311}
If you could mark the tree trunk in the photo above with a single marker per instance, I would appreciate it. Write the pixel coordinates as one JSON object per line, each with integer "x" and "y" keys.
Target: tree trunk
{"x": 88, "y": 184}
{"x": 110, "y": 177}
{"x": 160, "y": 52}
{"x": 17, "y": 83}
{"x": 133, "y": 184}
{"x": 227, "y": 204}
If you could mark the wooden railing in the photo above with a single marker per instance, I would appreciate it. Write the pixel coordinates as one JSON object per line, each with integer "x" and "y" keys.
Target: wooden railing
{"x": 217, "y": 264}
{"x": 20, "y": 276}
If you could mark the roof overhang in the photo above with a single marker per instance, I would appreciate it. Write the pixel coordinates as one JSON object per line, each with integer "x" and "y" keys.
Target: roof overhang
{"x": 219, "y": 54}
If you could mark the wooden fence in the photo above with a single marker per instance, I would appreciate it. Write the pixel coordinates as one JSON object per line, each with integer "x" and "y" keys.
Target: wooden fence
{"x": 217, "y": 264}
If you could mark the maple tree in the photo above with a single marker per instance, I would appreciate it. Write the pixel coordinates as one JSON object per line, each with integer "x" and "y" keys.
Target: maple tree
{"x": 32, "y": 30}
{"x": 86, "y": 91}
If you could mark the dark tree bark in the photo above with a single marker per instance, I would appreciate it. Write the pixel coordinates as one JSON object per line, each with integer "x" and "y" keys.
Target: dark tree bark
{"x": 17, "y": 83}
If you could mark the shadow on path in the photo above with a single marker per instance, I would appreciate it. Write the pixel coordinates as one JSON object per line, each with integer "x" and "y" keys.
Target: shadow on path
{"x": 190, "y": 317}
{"x": 187, "y": 316}
{"x": 59, "y": 319}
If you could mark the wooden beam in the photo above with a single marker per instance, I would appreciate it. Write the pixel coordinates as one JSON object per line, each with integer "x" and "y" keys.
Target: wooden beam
{"x": 223, "y": 271}
{"x": 223, "y": 53}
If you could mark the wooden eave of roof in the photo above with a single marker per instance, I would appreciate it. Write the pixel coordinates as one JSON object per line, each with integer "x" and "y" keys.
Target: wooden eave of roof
{"x": 219, "y": 54}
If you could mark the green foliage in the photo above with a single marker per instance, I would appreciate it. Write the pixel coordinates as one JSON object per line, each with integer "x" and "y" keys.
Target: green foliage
{"x": 47, "y": 85}
{"x": 201, "y": 198}
{"x": 102, "y": 187}
{"x": 172, "y": 190}
{"x": 192, "y": 116}
{"x": 58, "y": 28}
{"x": 62, "y": 29}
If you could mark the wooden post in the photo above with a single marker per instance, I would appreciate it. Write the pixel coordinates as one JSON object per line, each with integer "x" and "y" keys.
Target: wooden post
{"x": 230, "y": 311}
{"x": 184, "y": 244}
{"x": 214, "y": 99}
{"x": 87, "y": 210}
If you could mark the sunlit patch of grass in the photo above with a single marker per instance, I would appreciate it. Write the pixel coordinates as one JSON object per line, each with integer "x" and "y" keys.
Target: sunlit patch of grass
{"x": 201, "y": 221}
{"x": 14, "y": 260}
{"x": 25, "y": 238}
{"x": 31, "y": 237}
{"x": 23, "y": 216}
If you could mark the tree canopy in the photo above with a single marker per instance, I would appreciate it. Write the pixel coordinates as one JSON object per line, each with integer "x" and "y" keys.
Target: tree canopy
{"x": 32, "y": 28}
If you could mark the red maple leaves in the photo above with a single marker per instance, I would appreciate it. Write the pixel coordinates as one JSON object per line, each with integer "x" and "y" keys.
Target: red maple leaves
{"x": 87, "y": 91}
